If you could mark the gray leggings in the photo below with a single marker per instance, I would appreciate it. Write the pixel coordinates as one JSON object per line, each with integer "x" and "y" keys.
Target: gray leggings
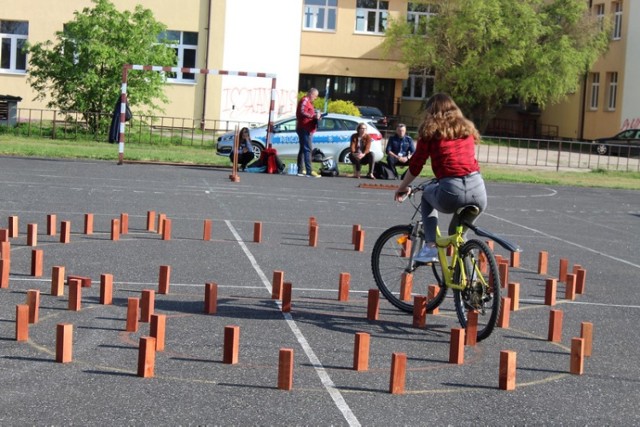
{"x": 447, "y": 195}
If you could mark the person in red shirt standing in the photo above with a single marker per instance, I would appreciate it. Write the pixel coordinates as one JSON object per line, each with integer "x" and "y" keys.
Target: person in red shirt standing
{"x": 306, "y": 124}
{"x": 449, "y": 139}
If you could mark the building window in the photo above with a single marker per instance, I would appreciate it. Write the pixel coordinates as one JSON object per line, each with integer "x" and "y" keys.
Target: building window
{"x": 599, "y": 8}
{"x": 595, "y": 90}
{"x": 418, "y": 15}
{"x": 185, "y": 44}
{"x": 419, "y": 85}
{"x": 13, "y": 37}
{"x": 613, "y": 91}
{"x": 617, "y": 20}
{"x": 371, "y": 16}
{"x": 320, "y": 15}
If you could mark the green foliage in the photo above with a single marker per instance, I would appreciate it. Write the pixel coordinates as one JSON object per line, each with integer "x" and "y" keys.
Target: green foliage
{"x": 82, "y": 69}
{"x": 486, "y": 52}
{"x": 337, "y": 106}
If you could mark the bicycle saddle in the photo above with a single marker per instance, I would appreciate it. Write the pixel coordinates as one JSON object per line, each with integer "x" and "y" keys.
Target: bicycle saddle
{"x": 468, "y": 210}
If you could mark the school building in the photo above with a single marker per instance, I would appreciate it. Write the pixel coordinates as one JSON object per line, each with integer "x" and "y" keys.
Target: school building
{"x": 320, "y": 43}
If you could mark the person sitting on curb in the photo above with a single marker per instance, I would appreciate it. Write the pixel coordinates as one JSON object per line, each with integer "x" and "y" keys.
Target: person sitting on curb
{"x": 400, "y": 148}
{"x": 361, "y": 151}
{"x": 245, "y": 149}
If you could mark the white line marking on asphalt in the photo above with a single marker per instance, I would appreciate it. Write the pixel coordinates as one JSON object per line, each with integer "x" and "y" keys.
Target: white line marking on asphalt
{"x": 599, "y": 304}
{"x": 325, "y": 379}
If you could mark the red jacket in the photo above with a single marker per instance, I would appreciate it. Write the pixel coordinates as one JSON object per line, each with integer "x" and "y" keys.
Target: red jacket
{"x": 449, "y": 158}
{"x": 306, "y": 115}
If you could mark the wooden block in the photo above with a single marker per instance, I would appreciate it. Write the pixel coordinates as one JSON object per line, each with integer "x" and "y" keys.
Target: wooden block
{"x": 343, "y": 286}
{"x": 286, "y": 297}
{"x": 490, "y": 244}
{"x": 285, "y": 369}
{"x": 312, "y": 221}
{"x": 13, "y": 227}
{"x": 398, "y": 373}
{"x": 5, "y": 251}
{"x": 359, "y": 246}
{"x": 507, "y": 377}
{"x": 515, "y": 260}
{"x": 146, "y": 357}
{"x": 482, "y": 263}
{"x": 57, "y": 281}
{"x": 4, "y": 235}
{"x": 106, "y": 289}
{"x": 471, "y": 332}
{"x": 433, "y": 290}
{"x": 88, "y": 223}
{"x": 406, "y": 285}
{"x": 124, "y": 223}
{"x": 420, "y": 311}
{"x": 115, "y": 229}
{"x": 581, "y": 278}
{"x": 570, "y": 287}
{"x": 33, "y": 301}
{"x": 166, "y": 229}
{"x": 586, "y": 333}
{"x": 505, "y": 310}
{"x": 147, "y": 305}
{"x": 22, "y": 322}
{"x": 210, "y": 298}
{"x": 157, "y": 328}
{"x": 32, "y": 234}
{"x": 5, "y": 266}
{"x": 576, "y": 365}
{"x": 313, "y": 236}
{"x": 550, "y": 291}
{"x": 543, "y": 260}
{"x": 64, "y": 342}
{"x": 52, "y": 228}
{"x": 456, "y": 348}
{"x": 361, "y": 352}
{"x": 37, "y": 260}
{"x": 133, "y": 313}
{"x": 555, "y": 326}
{"x": 514, "y": 296}
{"x": 231, "y": 345}
{"x": 276, "y": 284}
{"x": 354, "y": 233}
{"x": 503, "y": 269}
{"x": 75, "y": 294}
{"x": 206, "y": 232}
{"x": 84, "y": 280}
{"x": 405, "y": 251}
{"x": 575, "y": 269}
{"x": 151, "y": 221}
{"x": 373, "y": 304}
{"x": 563, "y": 266}
{"x": 257, "y": 232}
{"x": 65, "y": 232}
{"x": 164, "y": 279}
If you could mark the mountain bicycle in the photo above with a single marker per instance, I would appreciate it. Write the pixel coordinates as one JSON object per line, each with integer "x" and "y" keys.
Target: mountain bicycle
{"x": 468, "y": 267}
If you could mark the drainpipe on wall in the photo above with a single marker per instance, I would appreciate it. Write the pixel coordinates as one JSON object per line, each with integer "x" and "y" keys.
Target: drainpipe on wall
{"x": 206, "y": 66}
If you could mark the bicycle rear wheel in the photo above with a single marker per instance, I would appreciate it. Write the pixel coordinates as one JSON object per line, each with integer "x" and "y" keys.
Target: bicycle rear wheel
{"x": 480, "y": 293}
{"x": 389, "y": 261}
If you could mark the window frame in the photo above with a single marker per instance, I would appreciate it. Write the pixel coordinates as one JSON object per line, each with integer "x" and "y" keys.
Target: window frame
{"x": 16, "y": 43}
{"x": 424, "y": 76}
{"x": 414, "y": 17}
{"x": 600, "y": 14}
{"x": 380, "y": 20}
{"x": 328, "y": 10}
{"x": 617, "y": 20}
{"x": 180, "y": 47}
{"x": 595, "y": 91}
{"x": 612, "y": 90}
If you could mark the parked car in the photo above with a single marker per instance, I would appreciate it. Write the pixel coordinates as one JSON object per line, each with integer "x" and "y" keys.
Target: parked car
{"x": 332, "y": 137}
{"x": 374, "y": 114}
{"x": 625, "y": 143}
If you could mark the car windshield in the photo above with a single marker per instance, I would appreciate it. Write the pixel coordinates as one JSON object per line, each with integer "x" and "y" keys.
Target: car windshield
{"x": 370, "y": 111}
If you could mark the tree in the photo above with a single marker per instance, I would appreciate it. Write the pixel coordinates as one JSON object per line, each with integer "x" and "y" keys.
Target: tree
{"x": 82, "y": 70}
{"x": 486, "y": 52}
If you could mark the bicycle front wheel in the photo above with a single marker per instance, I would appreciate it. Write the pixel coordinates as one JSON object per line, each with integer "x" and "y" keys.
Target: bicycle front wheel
{"x": 482, "y": 290}
{"x": 390, "y": 259}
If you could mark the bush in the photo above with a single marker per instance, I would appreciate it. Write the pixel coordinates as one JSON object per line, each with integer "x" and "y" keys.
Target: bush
{"x": 337, "y": 106}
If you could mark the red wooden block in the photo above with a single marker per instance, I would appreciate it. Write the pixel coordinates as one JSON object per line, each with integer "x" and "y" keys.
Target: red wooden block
{"x": 543, "y": 261}
{"x": 581, "y": 278}
{"x": 32, "y": 234}
{"x": 157, "y": 328}
{"x": 405, "y": 251}
{"x": 206, "y": 232}
{"x": 86, "y": 281}
{"x": 52, "y": 225}
{"x": 505, "y": 310}
{"x": 515, "y": 260}
{"x": 586, "y": 333}
{"x": 276, "y": 284}
{"x": 257, "y": 232}
{"x": 231, "y": 345}
{"x": 456, "y": 348}
{"x": 433, "y": 290}
{"x": 285, "y": 369}
{"x": 65, "y": 232}
{"x": 33, "y": 301}
{"x": 490, "y": 244}
{"x": 398, "y": 373}
{"x": 64, "y": 342}
{"x": 359, "y": 246}
{"x": 373, "y": 304}
{"x": 471, "y": 333}
{"x": 210, "y": 298}
{"x": 88, "y": 223}
{"x": 575, "y": 269}
{"x": 22, "y": 322}
{"x": 124, "y": 223}
{"x": 147, "y": 305}
{"x": 161, "y": 218}
{"x": 13, "y": 227}
{"x": 570, "y": 287}
{"x": 5, "y": 251}
{"x": 503, "y": 269}
{"x": 354, "y": 233}
{"x": 312, "y": 221}
{"x": 576, "y": 366}
{"x": 361, "y": 351}
{"x": 4, "y": 235}
{"x": 562, "y": 269}
{"x": 106, "y": 289}
{"x": 151, "y": 221}
{"x": 133, "y": 313}
{"x": 166, "y": 229}
{"x": 514, "y": 296}
{"x": 5, "y": 266}
{"x": 313, "y": 236}
{"x": 75, "y": 294}
{"x": 146, "y": 357}
{"x": 550, "y": 291}
{"x": 555, "y": 326}
{"x": 406, "y": 285}
{"x": 419, "y": 311}
{"x": 37, "y": 260}
{"x": 57, "y": 281}
{"x": 164, "y": 279}
{"x": 115, "y": 229}
{"x": 343, "y": 287}
{"x": 507, "y": 377}
{"x": 286, "y": 297}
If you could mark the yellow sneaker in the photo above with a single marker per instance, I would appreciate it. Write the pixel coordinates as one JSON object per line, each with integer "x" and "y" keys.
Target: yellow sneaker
{"x": 315, "y": 174}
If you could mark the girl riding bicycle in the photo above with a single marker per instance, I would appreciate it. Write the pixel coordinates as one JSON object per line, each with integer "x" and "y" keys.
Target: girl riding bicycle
{"x": 449, "y": 139}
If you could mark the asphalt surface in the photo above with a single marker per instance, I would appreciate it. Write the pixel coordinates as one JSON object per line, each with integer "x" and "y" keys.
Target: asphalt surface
{"x": 595, "y": 228}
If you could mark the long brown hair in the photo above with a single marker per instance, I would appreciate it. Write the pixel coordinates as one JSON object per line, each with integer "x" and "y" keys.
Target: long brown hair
{"x": 444, "y": 120}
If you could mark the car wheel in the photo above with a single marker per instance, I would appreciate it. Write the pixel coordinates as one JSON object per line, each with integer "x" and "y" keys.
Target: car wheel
{"x": 601, "y": 149}
{"x": 257, "y": 149}
{"x": 344, "y": 156}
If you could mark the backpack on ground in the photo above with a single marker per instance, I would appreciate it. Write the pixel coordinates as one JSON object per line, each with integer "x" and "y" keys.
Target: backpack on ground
{"x": 329, "y": 168}
{"x": 381, "y": 170}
